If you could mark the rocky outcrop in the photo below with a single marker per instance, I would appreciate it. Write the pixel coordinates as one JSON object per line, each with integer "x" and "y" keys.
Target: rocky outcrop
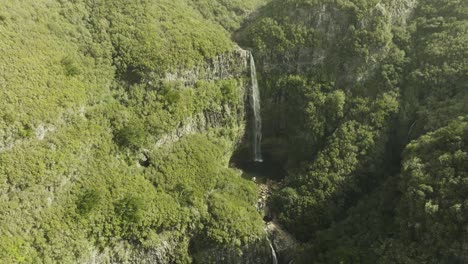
{"x": 9, "y": 138}
{"x": 265, "y": 191}
{"x": 224, "y": 66}
{"x": 202, "y": 122}
{"x": 124, "y": 252}
{"x": 232, "y": 65}
{"x": 258, "y": 253}
{"x": 283, "y": 243}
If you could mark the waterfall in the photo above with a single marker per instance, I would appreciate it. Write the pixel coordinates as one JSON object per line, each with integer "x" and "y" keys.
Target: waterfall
{"x": 257, "y": 118}
{"x": 273, "y": 252}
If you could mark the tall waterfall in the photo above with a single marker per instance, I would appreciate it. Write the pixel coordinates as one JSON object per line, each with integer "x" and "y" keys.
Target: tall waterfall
{"x": 257, "y": 118}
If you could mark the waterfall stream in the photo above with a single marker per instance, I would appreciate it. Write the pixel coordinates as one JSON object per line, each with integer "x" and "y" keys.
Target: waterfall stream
{"x": 257, "y": 118}
{"x": 256, "y": 133}
{"x": 273, "y": 252}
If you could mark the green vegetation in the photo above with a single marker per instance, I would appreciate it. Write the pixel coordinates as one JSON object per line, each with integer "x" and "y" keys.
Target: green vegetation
{"x": 228, "y": 13}
{"x": 347, "y": 87}
{"x": 119, "y": 118}
{"x": 432, "y": 211}
{"x": 85, "y": 98}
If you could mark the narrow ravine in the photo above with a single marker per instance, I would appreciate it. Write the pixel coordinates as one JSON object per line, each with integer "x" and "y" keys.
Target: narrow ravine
{"x": 281, "y": 242}
{"x": 273, "y": 252}
{"x": 268, "y": 186}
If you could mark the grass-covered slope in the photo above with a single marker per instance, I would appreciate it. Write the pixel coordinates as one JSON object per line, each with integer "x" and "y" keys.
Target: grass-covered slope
{"x": 84, "y": 102}
{"x": 228, "y": 13}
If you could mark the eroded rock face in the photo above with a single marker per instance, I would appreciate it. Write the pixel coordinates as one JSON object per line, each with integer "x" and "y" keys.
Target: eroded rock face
{"x": 224, "y": 66}
{"x": 258, "y": 253}
{"x": 233, "y": 65}
{"x": 164, "y": 252}
{"x": 203, "y": 121}
{"x": 123, "y": 252}
{"x": 284, "y": 243}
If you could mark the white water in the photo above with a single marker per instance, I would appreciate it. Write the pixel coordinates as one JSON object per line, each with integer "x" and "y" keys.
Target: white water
{"x": 257, "y": 118}
{"x": 273, "y": 253}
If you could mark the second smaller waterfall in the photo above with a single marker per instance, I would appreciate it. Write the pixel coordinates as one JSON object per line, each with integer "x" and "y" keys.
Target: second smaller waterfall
{"x": 257, "y": 118}
{"x": 273, "y": 253}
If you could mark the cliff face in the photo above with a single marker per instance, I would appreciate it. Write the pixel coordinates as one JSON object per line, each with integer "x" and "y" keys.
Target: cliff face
{"x": 347, "y": 85}
{"x": 325, "y": 38}
{"x": 226, "y": 120}
{"x": 308, "y": 52}
{"x": 231, "y": 114}
{"x": 224, "y": 66}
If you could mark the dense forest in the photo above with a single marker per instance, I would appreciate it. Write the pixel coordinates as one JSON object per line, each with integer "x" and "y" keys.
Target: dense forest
{"x": 125, "y": 131}
{"x": 366, "y": 108}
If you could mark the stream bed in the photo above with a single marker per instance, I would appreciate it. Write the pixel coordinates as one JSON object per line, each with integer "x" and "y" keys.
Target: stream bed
{"x": 268, "y": 177}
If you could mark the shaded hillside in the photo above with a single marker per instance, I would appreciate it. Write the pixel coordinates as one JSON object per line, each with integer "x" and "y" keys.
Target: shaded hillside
{"x": 346, "y": 86}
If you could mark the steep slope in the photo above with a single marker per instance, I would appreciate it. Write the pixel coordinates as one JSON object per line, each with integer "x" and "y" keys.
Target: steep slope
{"x": 228, "y": 13}
{"x": 331, "y": 78}
{"x": 93, "y": 166}
{"x": 346, "y": 86}
{"x": 119, "y": 119}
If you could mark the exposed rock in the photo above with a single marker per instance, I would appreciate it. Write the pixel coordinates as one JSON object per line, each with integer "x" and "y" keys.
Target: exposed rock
{"x": 9, "y": 138}
{"x": 123, "y": 252}
{"x": 284, "y": 243}
{"x": 202, "y": 122}
{"x": 42, "y": 130}
{"x": 224, "y": 66}
{"x": 258, "y": 253}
